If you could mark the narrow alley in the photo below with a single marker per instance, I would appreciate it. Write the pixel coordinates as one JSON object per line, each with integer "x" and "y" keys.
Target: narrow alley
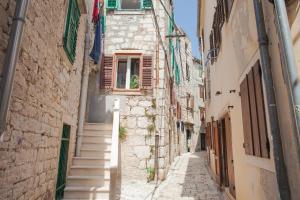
{"x": 149, "y": 99}
{"x": 189, "y": 179}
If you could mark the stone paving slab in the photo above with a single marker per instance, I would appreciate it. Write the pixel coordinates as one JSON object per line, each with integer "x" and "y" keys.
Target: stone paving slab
{"x": 188, "y": 179}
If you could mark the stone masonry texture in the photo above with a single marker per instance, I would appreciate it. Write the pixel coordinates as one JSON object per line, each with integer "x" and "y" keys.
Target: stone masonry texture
{"x": 135, "y": 32}
{"x": 45, "y": 95}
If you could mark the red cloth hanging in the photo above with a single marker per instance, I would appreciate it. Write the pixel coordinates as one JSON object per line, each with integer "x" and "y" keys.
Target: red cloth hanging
{"x": 96, "y": 11}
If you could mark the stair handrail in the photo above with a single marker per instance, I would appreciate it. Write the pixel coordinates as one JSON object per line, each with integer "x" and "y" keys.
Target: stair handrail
{"x": 114, "y": 159}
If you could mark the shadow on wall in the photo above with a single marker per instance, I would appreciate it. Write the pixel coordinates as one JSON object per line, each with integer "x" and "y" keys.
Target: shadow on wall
{"x": 99, "y": 106}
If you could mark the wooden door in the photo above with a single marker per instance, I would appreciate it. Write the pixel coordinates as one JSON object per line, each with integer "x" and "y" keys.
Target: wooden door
{"x": 217, "y": 151}
{"x": 230, "y": 162}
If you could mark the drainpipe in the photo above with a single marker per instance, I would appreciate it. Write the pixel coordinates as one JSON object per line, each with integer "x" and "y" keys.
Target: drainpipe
{"x": 281, "y": 174}
{"x": 10, "y": 61}
{"x": 84, "y": 89}
{"x": 290, "y": 64}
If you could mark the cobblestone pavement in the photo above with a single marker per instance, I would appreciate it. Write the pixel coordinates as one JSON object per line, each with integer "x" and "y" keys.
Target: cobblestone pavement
{"x": 188, "y": 179}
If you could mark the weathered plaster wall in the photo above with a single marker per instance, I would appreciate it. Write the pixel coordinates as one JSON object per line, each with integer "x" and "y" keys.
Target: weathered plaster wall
{"x": 45, "y": 95}
{"x": 238, "y": 53}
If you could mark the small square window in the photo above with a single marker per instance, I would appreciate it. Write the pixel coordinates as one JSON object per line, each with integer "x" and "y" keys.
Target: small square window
{"x": 128, "y": 73}
{"x": 130, "y": 4}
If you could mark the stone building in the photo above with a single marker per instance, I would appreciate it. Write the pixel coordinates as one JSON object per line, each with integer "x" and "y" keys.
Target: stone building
{"x": 188, "y": 97}
{"x": 43, "y": 108}
{"x": 134, "y": 69}
{"x": 243, "y": 153}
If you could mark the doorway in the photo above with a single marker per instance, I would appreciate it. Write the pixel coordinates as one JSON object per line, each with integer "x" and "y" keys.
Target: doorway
{"x": 188, "y": 140}
{"x": 227, "y": 164}
{"x": 202, "y": 142}
{"x": 63, "y": 163}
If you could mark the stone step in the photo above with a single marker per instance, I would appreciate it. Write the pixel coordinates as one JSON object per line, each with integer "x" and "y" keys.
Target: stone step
{"x": 88, "y": 193}
{"x": 98, "y": 181}
{"x": 96, "y": 146}
{"x": 107, "y": 133}
{"x": 97, "y": 126}
{"x": 91, "y": 161}
{"x": 93, "y": 139}
{"x": 95, "y": 153}
{"x": 80, "y": 170}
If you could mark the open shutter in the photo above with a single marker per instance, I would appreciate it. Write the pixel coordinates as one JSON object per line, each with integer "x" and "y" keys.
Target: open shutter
{"x": 208, "y": 135}
{"x": 217, "y": 150}
{"x": 248, "y": 144}
{"x": 107, "y": 73}
{"x": 147, "y": 72}
{"x": 254, "y": 117}
{"x": 111, "y": 4}
{"x": 261, "y": 112}
{"x": 70, "y": 34}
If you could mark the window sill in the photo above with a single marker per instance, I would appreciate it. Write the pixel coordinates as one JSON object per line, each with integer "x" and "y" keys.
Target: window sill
{"x": 134, "y": 92}
{"x": 129, "y": 12}
{"x": 263, "y": 163}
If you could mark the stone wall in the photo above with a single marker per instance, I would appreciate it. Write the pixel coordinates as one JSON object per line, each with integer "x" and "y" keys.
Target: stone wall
{"x": 7, "y": 8}
{"x": 45, "y": 95}
{"x": 134, "y": 31}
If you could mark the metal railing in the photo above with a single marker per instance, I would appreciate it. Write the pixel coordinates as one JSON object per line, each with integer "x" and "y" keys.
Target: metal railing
{"x": 114, "y": 159}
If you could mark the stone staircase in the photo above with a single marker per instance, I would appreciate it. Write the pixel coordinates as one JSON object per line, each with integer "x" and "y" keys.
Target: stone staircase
{"x": 89, "y": 177}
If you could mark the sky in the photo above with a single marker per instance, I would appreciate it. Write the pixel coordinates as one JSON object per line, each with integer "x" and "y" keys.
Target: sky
{"x": 186, "y": 17}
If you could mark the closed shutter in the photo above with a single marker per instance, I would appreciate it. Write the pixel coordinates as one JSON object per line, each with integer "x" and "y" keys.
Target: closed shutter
{"x": 112, "y": 4}
{"x": 246, "y": 117}
{"x": 254, "y": 117}
{"x": 107, "y": 73}
{"x": 70, "y": 34}
{"x": 147, "y": 4}
{"x": 147, "y": 73}
{"x": 261, "y": 112}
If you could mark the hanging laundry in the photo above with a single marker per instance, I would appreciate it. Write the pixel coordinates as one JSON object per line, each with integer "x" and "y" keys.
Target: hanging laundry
{"x": 96, "y": 11}
{"x": 96, "y": 51}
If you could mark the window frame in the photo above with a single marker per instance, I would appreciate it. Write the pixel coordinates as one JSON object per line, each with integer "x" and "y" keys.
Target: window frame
{"x": 72, "y": 9}
{"x": 127, "y": 56}
{"x": 140, "y": 2}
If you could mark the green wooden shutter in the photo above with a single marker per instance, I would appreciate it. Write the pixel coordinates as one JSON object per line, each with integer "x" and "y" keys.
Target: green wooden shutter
{"x": 111, "y": 4}
{"x": 103, "y": 23}
{"x": 147, "y": 4}
{"x": 70, "y": 35}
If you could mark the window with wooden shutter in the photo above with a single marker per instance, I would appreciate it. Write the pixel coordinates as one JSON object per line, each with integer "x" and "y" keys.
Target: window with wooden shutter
{"x": 70, "y": 34}
{"x": 146, "y": 80}
{"x": 253, "y": 111}
{"x": 107, "y": 73}
{"x": 201, "y": 91}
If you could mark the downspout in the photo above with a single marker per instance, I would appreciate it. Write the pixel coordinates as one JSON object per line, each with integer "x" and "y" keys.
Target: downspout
{"x": 10, "y": 61}
{"x": 290, "y": 64}
{"x": 281, "y": 174}
{"x": 84, "y": 89}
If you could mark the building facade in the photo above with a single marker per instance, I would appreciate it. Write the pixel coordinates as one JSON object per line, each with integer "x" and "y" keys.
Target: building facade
{"x": 134, "y": 69}
{"x": 43, "y": 109}
{"x": 240, "y": 144}
{"x": 187, "y": 97}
